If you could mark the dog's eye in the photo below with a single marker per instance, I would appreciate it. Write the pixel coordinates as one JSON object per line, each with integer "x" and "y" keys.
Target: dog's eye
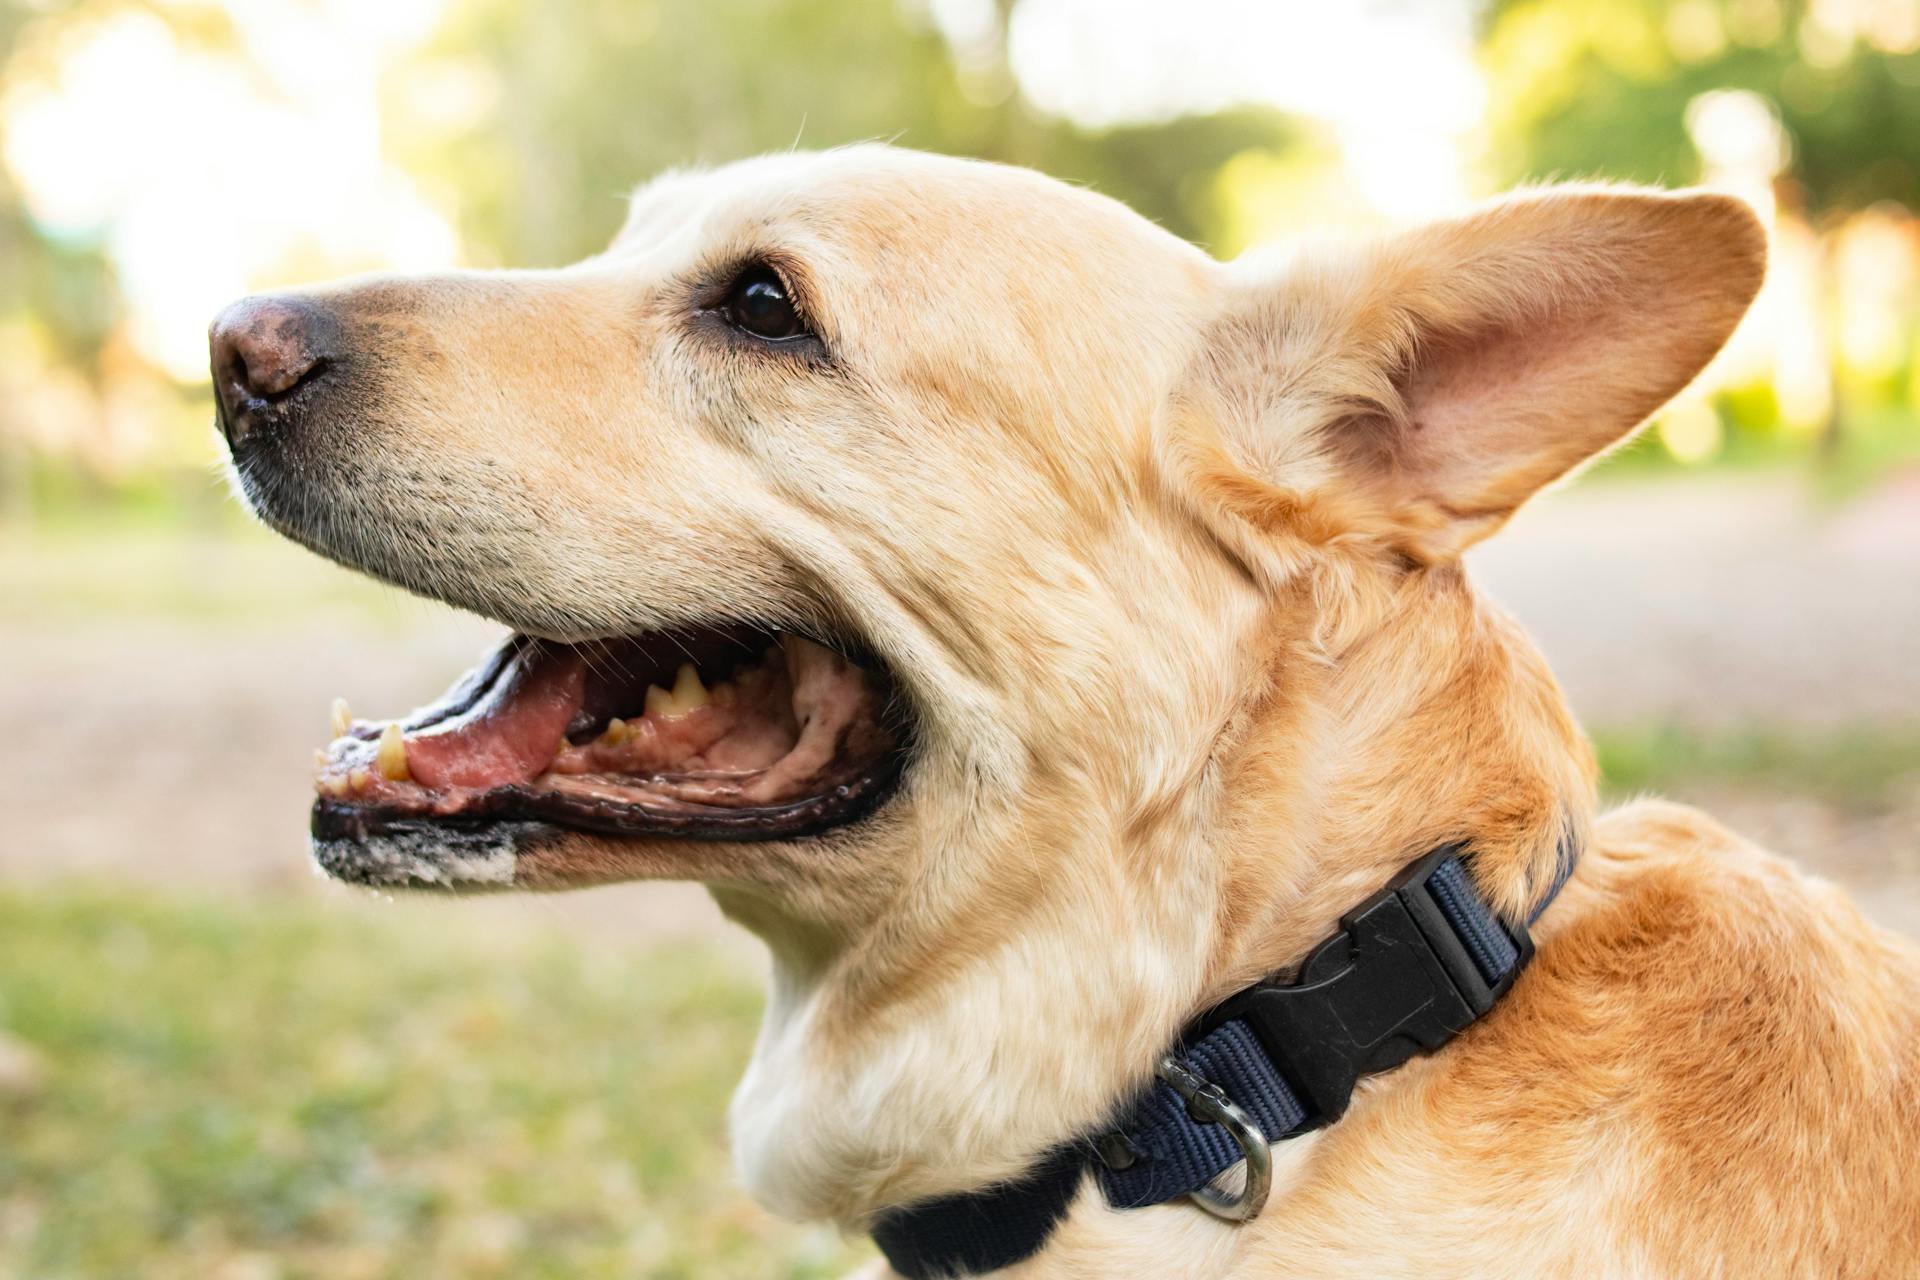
{"x": 758, "y": 303}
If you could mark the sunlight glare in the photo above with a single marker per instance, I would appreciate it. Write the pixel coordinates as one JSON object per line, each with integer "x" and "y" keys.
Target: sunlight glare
{"x": 168, "y": 156}
{"x": 1395, "y": 84}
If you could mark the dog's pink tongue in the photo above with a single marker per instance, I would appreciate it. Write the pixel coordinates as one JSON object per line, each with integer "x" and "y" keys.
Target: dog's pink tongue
{"x": 510, "y": 735}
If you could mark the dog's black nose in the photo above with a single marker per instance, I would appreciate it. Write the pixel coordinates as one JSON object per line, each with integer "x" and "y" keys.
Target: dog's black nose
{"x": 264, "y": 349}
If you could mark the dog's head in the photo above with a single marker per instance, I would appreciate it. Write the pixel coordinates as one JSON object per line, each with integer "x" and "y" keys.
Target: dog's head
{"x": 936, "y": 558}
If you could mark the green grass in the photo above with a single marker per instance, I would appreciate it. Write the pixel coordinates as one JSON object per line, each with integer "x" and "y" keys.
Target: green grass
{"x": 287, "y": 1089}
{"x": 1857, "y": 768}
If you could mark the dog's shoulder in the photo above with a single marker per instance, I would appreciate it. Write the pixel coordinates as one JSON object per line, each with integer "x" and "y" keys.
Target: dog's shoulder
{"x": 1732, "y": 1033}
{"x": 1665, "y": 881}
{"x": 1684, "y": 942}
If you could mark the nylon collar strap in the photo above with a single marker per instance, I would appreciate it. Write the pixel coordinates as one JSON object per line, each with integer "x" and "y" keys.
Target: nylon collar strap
{"x": 1410, "y": 968}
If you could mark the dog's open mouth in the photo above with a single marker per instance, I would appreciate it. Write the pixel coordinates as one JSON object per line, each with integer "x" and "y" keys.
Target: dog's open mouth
{"x": 720, "y": 733}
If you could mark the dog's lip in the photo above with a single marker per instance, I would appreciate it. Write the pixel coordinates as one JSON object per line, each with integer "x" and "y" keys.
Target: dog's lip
{"x": 488, "y": 852}
{"x": 517, "y": 805}
{"x": 460, "y": 697}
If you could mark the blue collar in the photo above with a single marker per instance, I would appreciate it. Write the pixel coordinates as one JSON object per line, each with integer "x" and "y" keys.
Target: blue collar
{"x": 1410, "y": 969}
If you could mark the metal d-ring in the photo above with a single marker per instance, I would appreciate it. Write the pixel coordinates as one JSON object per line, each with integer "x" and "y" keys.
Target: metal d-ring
{"x": 1208, "y": 1103}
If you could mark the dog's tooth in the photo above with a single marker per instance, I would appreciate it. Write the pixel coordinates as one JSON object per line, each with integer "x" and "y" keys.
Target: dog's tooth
{"x": 659, "y": 702}
{"x": 615, "y": 733}
{"x": 359, "y": 780}
{"x": 392, "y": 755}
{"x": 342, "y": 719}
{"x": 331, "y": 785}
{"x": 688, "y": 693}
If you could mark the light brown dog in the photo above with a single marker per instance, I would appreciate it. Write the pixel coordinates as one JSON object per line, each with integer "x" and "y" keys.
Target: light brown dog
{"x": 1037, "y": 631}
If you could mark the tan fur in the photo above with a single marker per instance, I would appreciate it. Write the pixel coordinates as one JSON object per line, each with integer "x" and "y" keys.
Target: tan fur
{"x": 1166, "y": 553}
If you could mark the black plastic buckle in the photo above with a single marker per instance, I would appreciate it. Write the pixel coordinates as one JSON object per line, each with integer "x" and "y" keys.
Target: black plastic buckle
{"x": 1395, "y": 981}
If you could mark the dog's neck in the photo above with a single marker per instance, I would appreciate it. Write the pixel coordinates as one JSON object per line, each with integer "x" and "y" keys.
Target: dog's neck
{"x": 1438, "y": 722}
{"x": 897, "y": 1064}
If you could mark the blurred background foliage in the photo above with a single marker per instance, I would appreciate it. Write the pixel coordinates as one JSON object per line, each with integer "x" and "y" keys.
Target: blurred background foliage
{"x": 162, "y": 156}
{"x": 1607, "y": 87}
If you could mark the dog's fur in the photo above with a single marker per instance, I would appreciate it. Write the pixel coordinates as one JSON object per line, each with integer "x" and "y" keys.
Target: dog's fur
{"x": 1166, "y": 555}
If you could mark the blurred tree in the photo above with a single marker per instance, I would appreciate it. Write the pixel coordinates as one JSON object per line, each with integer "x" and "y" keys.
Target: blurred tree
{"x": 573, "y": 101}
{"x": 1604, "y": 87}
{"x": 63, "y": 286}
{"x": 556, "y": 111}
{"x": 1163, "y": 170}
{"x": 56, "y": 299}
{"x": 64, "y": 289}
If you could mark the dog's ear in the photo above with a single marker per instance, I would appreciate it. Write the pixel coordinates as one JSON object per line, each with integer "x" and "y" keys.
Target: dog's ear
{"x": 1425, "y": 385}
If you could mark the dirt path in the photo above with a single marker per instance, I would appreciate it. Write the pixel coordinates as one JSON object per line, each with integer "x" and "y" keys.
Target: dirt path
{"x": 160, "y": 701}
{"x": 1720, "y": 601}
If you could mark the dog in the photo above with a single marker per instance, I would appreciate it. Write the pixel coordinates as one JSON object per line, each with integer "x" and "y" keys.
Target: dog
{"x": 1041, "y": 634}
